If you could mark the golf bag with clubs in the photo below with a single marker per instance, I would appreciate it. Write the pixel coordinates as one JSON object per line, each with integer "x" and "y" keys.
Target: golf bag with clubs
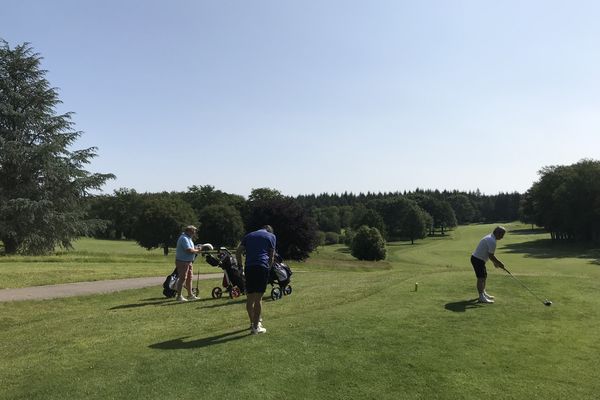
{"x": 234, "y": 281}
{"x": 170, "y": 284}
{"x": 279, "y": 278}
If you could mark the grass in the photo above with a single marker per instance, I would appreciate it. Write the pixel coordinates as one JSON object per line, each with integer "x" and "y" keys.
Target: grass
{"x": 350, "y": 330}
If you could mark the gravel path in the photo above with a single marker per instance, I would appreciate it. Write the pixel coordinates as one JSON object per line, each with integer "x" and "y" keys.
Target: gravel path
{"x": 85, "y": 288}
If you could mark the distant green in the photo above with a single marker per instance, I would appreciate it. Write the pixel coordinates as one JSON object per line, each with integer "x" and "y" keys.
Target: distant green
{"x": 350, "y": 330}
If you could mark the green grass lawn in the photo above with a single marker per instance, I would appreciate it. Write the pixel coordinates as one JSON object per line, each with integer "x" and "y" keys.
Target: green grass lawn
{"x": 350, "y": 330}
{"x": 90, "y": 260}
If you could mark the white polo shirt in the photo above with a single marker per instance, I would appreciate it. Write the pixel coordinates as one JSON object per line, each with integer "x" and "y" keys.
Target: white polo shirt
{"x": 486, "y": 246}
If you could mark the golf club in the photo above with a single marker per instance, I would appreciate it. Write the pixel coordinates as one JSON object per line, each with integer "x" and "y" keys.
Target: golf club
{"x": 545, "y": 302}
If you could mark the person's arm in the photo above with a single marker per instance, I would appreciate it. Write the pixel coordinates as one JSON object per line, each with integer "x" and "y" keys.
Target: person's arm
{"x": 190, "y": 247}
{"x": 271, "y": 257}
{"x": 192, "y": 250}
{"x": 239, "y": 253}
{"x": 497, "y": 263}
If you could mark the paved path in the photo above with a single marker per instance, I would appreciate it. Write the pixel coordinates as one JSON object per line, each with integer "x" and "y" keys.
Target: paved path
{"x": 85, "y": 288}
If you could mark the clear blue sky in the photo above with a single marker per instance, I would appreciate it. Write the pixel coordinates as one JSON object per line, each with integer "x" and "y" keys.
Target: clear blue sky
{"x": 322, "y": 96}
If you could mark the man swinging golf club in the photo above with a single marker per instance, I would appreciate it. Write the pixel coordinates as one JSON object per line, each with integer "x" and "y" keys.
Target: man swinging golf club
{"x": 485, "y": 251}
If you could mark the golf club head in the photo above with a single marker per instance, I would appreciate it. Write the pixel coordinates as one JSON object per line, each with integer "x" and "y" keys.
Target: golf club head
{"x": 547, "y": 303}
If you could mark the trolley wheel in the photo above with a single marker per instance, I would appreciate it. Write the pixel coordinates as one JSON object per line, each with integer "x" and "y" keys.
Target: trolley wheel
{"x": 276, "y": 293}
{"x": 217, "y": 293}
{"x": 288, "y": 290}
{"x": 234, "y": 292}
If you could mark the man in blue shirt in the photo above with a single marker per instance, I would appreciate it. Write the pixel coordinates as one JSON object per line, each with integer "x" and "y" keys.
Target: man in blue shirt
{"x": 185, "y": 253}
{"x": 259, "y": 247}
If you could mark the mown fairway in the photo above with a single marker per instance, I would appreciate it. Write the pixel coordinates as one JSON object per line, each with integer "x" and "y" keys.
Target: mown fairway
{"x": 350, "y": 330}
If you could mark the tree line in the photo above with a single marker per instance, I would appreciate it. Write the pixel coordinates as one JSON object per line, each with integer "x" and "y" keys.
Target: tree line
{"x": 566, "y": 201}
{"x": 155, "y": 219}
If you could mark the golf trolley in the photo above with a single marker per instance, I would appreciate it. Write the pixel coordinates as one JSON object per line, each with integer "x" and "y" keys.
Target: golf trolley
{"x": 279, "y": 279}
{"x": 233, "y": 282}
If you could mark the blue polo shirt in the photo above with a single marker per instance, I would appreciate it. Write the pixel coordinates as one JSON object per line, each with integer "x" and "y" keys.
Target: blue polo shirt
{"x": 258, "y": 245}
{"x": 183, "y": 243}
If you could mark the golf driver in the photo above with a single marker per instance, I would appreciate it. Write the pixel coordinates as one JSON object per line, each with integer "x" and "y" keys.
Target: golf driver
{"x": 545, "y": 302}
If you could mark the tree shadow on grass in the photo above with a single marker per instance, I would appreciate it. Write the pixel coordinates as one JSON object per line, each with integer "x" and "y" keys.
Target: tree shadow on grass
{"x": 344, "y": 250}
{"x": 462, "y": 306}
{"x": 181, "y": 343}
{"x": 161, "y": 301}
{"x": 535, "y": 231}
{"x": 225, "y": 303}
{"x": 548, "y": 248}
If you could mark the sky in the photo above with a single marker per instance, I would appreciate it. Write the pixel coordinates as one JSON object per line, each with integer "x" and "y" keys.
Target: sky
{"x": 321, "y": 96}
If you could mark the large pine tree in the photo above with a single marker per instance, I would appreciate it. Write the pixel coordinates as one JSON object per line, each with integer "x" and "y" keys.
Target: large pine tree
{"x": 43, "y": 183}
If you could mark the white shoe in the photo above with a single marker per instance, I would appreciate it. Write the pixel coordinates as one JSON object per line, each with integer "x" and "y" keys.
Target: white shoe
{"x": 259, "y": 324}
{"x": 193, "y": 297}
{"x": 259, "y": 329}
{"x": 483, "y": 299}
{"x": 181, "y": 299}
{"x": 489, "y": 296}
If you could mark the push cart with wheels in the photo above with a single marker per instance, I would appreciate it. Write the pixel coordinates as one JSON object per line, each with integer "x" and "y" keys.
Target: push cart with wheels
{"x": 233, "y": 282}
{"x": 279, "y": 278}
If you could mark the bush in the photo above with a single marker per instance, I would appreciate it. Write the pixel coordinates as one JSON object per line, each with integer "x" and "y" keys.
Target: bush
{"x": 368, "y": 244}
{"x": 321, "y": 238}
{"x": 347, "y": 236}
{"x": 331, "y": 238}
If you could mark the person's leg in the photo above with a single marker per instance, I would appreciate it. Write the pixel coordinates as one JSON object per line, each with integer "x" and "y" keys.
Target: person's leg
{"x": 254, "y": 307}
{"x": 189, "y": 278}
{"x": 182, "y": 267}
{"x": 481, "y": 285}
{"x": 481, "y": 274}
{"x": 250, "y": 307}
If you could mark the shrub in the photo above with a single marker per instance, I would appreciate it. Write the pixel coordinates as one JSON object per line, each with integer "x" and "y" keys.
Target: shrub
{"x": 368, "y": 244}
{"x": 347, "y": 236}
{"x": 331, "y": 238}
{"x": 321, "y": 238}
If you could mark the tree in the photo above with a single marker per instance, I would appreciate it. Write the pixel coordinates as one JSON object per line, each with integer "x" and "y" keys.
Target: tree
{"x": 440, "y": 210}
{"x": 526, "y": 209}
{"x": 464, "y": 210}
{"x": 367, "y": 216}
{"x": 393, "y": 212}
{"x": 120, "y": 211}
{"x": 220, "y": 225}
{"x": 345, "y": 216}
{"x": 296, "y": 232}
{"x": 415, "y": 223}
{"x": 566, "y": 201}
{"x": 328, "y": 219}
{"x": 368, "y": 244}
{"x": 201, "y": 196}
{"x": 264, "y": 194}
{"x": 43, "y": 183}
{"x": 161, "y": 221}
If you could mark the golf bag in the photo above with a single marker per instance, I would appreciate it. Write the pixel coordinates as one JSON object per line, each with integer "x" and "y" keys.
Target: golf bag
{"x": 280, "y": 276}
{"x": 170, "y": 284}
{"x": 234, "y": 281}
